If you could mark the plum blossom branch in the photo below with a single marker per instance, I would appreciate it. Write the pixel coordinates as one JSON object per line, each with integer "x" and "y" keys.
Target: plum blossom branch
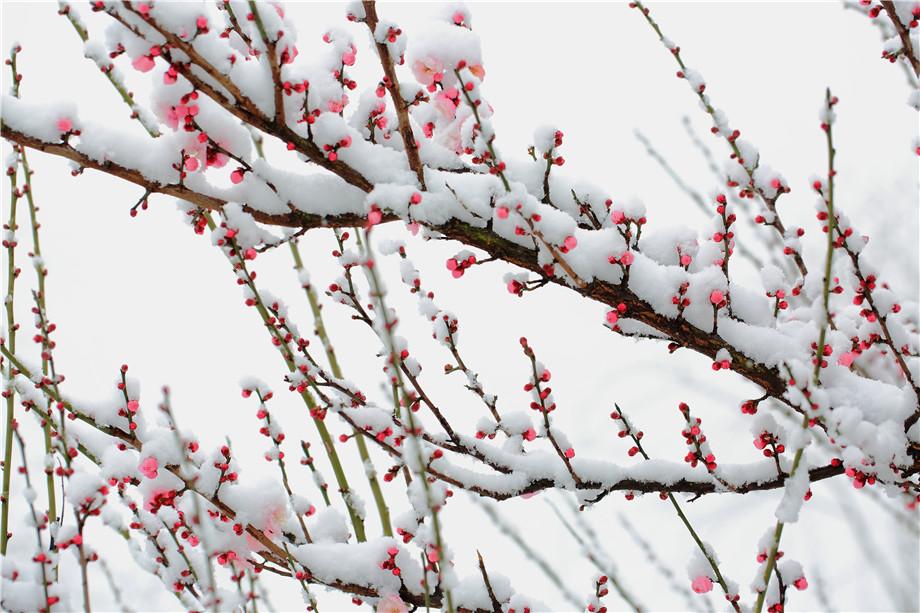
{"x": 903, "y": 34}
{"x": 720, "y": 127}
{"x": 662, "y": 287}
{"x": 827, "y": 124}
{"x": 680, "y": 331}
{"x": 138, "y": 113}
{"x": 320, "y": 330}
{"x": 730, "y": 589}
{"x": 9, "y": 243}
{"x": 391, "y": 82}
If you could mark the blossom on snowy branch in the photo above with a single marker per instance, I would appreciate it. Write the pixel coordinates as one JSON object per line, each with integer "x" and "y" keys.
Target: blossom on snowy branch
{"x": 829, "y": 341}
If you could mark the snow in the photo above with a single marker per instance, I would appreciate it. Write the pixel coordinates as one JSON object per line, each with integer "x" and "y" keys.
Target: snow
{"x": 863, "y": 408}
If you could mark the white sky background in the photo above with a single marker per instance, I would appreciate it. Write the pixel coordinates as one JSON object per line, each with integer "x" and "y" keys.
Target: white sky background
{"x": 148, "y": 292}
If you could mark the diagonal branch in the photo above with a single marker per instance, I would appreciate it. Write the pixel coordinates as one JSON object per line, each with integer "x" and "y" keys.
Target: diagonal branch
{"x": 682, "y": 332}
{"x": 904, "y": 34}
{"x": 391, "y": 82}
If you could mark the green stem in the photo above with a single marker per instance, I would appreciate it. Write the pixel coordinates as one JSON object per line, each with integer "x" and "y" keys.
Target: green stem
{"x": 769, "y": 203}
{"x": 123, "y": 92}
{"x": 377, "y": 292}
{"x": 822, "y": 336}
{"x": 40, "y": 273}
{"x": 198, "y": 519}
{"x": 328, "y": 444}
{"x": 382, "y": 509}
{"x": 683, "y": 518}
{"x": 702, "y": 547}
{"x": 36, "y": 522}
{"x": 11, "y": 343}
{"x": 284, "y": 475}
{"x": 317, "y": 476}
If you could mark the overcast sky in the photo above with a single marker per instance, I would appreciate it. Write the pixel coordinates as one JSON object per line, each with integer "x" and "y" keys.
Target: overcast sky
{"x": 149, "y": 292}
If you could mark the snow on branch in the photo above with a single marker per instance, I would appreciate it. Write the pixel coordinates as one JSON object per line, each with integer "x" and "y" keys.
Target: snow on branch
{"x": 830, "y": 341}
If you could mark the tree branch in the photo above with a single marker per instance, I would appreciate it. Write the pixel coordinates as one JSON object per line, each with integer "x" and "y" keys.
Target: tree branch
{"x": 904, "y": 34}
{"x": 391, "y": 82}
{"x": 682, "y": 332}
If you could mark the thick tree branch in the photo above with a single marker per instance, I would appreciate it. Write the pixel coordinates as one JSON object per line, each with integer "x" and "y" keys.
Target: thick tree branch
{"x": 679, "y": 330}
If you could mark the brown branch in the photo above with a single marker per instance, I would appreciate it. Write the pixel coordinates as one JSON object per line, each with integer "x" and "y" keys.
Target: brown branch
{"x": 496, "y": 605}
{"x": 882, "y": 321}
{"x": 699, "y": 488}
{"x": 65, "y": 150}
{"x": 904, "y": 34}
{"x": 189, "y": 49}
{"x": 273, "y": 551}
{"x": 274, "y": 66}
{"x": 682, "y": 332}
{"x": 246, "y": 111}
{"x": 391, "y": 82}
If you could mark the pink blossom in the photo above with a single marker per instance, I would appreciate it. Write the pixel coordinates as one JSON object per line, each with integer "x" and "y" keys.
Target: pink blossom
{"x": 174, "y": 114}
{"x": 149, "y": 467}
{"x": 428, "y": 70}
{"x": 618, "y": 217}
{"x": 716, "y": 297}
{"x": 133, "y": 405}
{"x": 143, "y": 63}
{"x": 216, "y": 159}
{"x": 612, "y": 317}
{"x": 847, "y": 358}
{"x": 391, "y": 603}
{"x": 452, "y": 138}
{"x": 478, "y": 71}
{"x": 446, "y": 105}
{"x": 64, "y": 125}
{"x": 701, "y": 584}
{"x": 627, "y": 258}
{"x": 272, "y": 522}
